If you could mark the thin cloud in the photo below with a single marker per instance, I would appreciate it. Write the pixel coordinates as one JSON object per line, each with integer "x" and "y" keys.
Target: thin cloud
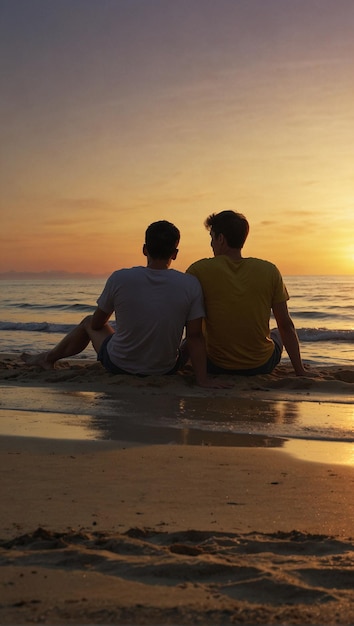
{"x": 81, "y": 204}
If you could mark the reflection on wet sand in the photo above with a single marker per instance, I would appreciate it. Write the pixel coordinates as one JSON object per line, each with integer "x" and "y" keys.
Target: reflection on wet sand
{"x": 150, "y": 418}
{"x": 147, "y": 434}
{"x": 233, "y": 409}
{"x": 193, "y": 421}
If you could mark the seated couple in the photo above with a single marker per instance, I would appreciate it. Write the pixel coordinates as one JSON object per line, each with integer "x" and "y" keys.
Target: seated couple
{"x": 223, "y": 303}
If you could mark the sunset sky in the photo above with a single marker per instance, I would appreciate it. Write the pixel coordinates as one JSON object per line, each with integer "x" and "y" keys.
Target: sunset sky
{"x": 117, "y": 113}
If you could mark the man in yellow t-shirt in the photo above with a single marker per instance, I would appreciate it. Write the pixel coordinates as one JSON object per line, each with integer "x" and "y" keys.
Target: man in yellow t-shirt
{"x": 240, "y": 294}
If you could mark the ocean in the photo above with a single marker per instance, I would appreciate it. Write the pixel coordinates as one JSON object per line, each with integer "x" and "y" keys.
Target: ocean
{"x": 35, "y": 314}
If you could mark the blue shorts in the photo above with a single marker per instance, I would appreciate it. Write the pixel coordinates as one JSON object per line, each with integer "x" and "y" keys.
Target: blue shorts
{"x": 266, "y": 368}
{"x": 103, "y": 357}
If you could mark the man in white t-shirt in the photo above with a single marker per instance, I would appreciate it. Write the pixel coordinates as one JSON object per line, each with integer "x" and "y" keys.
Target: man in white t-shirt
{"x": 152, "y": 306}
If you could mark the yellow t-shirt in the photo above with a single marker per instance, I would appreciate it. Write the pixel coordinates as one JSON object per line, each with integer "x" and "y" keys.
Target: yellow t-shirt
{"x": 238, "y": 296}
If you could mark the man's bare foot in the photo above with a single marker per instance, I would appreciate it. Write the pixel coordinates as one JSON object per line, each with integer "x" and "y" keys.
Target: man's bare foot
{"x": 40, "y": 359}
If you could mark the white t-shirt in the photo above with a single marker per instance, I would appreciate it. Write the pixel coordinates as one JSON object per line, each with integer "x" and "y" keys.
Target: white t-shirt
{"x": 151, "y": 309}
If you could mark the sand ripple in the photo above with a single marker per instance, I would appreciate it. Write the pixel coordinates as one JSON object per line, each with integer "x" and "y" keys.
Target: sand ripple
{"x": 295, "y": 576}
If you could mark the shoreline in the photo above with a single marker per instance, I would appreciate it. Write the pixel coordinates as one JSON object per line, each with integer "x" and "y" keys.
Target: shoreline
{"x": 309, "y": 417}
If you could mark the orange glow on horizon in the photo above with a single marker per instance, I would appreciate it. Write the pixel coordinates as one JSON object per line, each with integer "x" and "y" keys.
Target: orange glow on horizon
{"x": 248, "y": 107}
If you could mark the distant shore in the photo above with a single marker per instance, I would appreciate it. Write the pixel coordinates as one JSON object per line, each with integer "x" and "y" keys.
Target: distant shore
{"x": 50, "y": 275}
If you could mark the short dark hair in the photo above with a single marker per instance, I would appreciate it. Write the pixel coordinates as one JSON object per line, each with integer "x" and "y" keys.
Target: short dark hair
{"x": 232, "y": 225}
{"x": 162, "y": 239}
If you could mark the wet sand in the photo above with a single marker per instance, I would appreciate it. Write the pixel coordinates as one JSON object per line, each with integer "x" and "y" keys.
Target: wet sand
{"x": 124, "y": 532}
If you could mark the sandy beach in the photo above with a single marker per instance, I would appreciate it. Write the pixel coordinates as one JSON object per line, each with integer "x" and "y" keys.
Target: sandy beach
{"x": 101, "y": 530}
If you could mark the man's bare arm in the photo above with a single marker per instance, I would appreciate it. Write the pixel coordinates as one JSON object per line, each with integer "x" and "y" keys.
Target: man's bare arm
{"x": 289, "y": 336}
{"x": 197, "y": 353}
{"x": 99, "y": 319}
